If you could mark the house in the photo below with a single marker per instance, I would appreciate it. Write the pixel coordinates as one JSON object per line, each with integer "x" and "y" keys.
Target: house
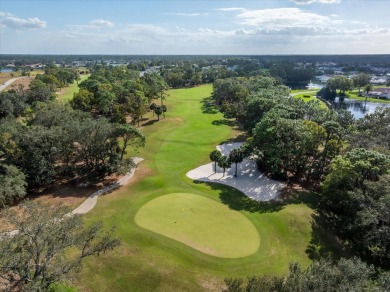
{"x": 383, "y": 92}
{"x": 378, "y": 80}
{"x": 322, "y": 79}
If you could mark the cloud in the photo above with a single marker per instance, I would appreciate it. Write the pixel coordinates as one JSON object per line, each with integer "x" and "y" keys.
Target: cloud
{"x": 185, "y": 14}
{"x": 101, "y": 23}
{"x": 306, "y": 2}
{"x": 284, "y": 17}
{"x": 228, "y": 9}
{"x": 95, "y": 24}
{"x": 11, "y": 21}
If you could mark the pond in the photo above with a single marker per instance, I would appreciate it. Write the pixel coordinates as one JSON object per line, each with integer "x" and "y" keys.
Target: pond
{"x": 357, "y": 108}
{"x": 305, "y": 85}
{"x": 6, "y": 70}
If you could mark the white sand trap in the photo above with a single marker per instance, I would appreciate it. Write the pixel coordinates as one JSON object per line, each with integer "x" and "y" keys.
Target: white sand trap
{"x": 249, "y": 180}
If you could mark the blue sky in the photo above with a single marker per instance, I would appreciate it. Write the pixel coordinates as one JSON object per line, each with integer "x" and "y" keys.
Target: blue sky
{"x": 195, "y": 27}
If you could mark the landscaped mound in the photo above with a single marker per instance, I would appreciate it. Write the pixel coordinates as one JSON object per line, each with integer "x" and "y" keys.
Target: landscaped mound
{"x": 200, "y": 223}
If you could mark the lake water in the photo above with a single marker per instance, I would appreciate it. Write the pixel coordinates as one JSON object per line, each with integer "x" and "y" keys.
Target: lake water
{"x": 357, "y": 108}
{"x": 5, "y": 70}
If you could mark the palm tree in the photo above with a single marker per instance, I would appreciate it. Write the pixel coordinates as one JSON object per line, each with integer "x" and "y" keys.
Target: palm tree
{"x": 367, "y": 89}
{"x": 224, "y": 163}
{"x": 236, "y": 156}
{"x": 215, "y": 155}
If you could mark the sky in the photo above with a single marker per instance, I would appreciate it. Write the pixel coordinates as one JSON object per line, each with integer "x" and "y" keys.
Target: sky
{"x": 195, "y": 27}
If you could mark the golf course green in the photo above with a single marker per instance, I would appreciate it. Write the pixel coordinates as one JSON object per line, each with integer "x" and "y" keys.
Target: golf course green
{"x": 201, "y": 223}
{"x": 227, "y": 235}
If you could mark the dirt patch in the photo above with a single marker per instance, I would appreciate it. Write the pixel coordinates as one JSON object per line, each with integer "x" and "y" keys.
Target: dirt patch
{"x": 69, "y": 194}
{"x": 211, "y": 284}
{"x": 5, "y": 76}
{"x": 25, "y": 82}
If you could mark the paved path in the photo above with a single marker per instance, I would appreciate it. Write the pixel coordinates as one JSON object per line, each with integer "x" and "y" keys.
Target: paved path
{"x": 8, "y": 83}
{"x": 91, "y": 201}
{"x": 249, "y": 180}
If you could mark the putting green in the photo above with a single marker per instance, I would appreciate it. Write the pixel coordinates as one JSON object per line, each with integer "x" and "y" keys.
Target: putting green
{"x": 201, "y": 223}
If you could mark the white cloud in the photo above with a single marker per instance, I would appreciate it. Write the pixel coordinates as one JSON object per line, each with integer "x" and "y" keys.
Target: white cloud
{"x": 15, "y": 22}
{"x": 306, "y": 2}
{"x": 281, "y": 17}
{"x": 101, "y": 23}
{"x": 228, "y": 9}
{"x": 271, "y": 31}
{"x": 185, "y": 14}
{"x": 95, "y": 24}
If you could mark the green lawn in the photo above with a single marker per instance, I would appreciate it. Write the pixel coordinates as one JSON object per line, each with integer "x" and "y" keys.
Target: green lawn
{"x": 201, "y": 223}
{"x": 310, "y": 95}
{"x": 157, "y": 260}
{"x": 67, "y": 93}
{"x": 354, "y": 94}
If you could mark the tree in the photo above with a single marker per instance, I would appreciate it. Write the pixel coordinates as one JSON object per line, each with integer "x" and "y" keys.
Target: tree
{"x": 152, "y": 107}
{"x": 105, "y": 98}
{"x": 138, "y": 103}
{"x": 215, "y": 155}
{"x": 236, "y": 156}
{"x": 367, "y": 89}
{"x": 224, "y": 163}
{"x": 320, "y": 276}
{"x": 361, "y": 80}
{"x": 156, "y": 86}
{"x": 342, "y": 83}
{"x": 82, "y": 100}
{"x": 130, "y": 137}
{"x": 164, "y": 109}
{"x": 12, "y": 184}
{"x": 38, "y": 255}
{"x": 355, "y": 202}
{"x": 158, "y": 111}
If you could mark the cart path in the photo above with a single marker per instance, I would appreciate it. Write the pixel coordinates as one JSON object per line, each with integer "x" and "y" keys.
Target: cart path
{"x": 8, "y": 83}
{"x": 91, "y": 201}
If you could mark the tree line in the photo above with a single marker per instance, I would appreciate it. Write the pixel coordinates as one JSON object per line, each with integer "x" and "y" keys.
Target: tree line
{"x": 43, "y": 141}
{"x": 119, "y": 92}
{"x": 345, "y": 160}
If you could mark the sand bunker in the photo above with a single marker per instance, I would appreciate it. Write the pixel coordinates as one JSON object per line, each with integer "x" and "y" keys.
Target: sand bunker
{"x": 249, "y": 180}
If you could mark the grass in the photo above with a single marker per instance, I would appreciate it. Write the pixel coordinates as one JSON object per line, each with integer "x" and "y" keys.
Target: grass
{"x": 66, "y": 93}
{"x": 201, "y": 223}
{"x": 308, "y": 96}
{"x": 5, "y": 76}
{"x": 301, "y": 90}
{"x": 354, "y": 94}
{"x": 148, "y": 260}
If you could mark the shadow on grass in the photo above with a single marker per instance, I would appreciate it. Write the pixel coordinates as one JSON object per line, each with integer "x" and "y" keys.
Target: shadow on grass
{"x": 208, "y": 106}
{"x": 226, "y": 122}
{"x": 149, "y": 123}
{"x": 239, "y": 202}
{"x": 242, "y": 137}
{"x": 324, "y": 243}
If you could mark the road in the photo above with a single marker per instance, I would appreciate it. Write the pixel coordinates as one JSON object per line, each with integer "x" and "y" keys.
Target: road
{"x": 8, "y": 83}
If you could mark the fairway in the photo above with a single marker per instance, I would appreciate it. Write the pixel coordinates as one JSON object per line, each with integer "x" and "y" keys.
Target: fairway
{"x": 201, "y": 223}
{"x": 218, "y": 234}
